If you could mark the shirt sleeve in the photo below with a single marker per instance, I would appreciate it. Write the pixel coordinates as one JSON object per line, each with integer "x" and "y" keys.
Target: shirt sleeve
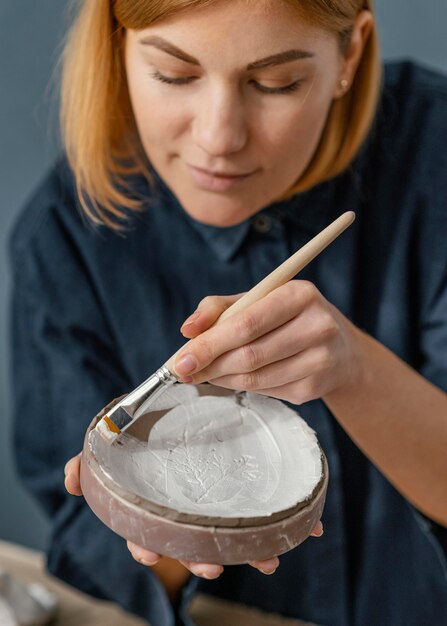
{"x": 64, "y": 370}
{"x": 434, "y": 338}
{"x": 432, "y": 255}
{"x": 434, "y": 313}
{"x": 432, "y": 249}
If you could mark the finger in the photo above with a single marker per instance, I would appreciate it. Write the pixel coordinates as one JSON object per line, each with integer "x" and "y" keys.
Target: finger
{"x": 310, "y": 363}
{"x": 72, "y": 472}
{"x": 203, "y": 570}
{"x": 297, "y": 392}
{"x": 298, "y": 334}
{"x": 143, "y": 556}
{"x": 269, "y": 566}
{"x": 260, "y": 318}
{"x": 318, "y": 530}
{"x": 207, "y": 312}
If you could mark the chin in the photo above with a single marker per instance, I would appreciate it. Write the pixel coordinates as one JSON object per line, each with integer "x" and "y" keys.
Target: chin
{"x": 220, "y": 212}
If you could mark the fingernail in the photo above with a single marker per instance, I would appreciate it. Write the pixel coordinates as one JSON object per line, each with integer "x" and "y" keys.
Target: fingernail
{"x": 268, "y": 573}
{"x": 186, "y": 380}
{"x": 318, "y": 534}
{"x": 148, "y": 563}
{"x": 191, "y": 319}
{"x": 210, "y": 574}
{"x": 186, "y": 365}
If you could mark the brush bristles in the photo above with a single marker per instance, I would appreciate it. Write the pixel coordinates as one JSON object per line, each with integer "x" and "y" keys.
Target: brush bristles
{"x": 103, "y": 429}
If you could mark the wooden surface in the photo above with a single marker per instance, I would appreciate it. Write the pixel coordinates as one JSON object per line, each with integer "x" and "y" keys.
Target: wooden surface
{"x": 77, "y": 609}
{"x": 208, "y": 611}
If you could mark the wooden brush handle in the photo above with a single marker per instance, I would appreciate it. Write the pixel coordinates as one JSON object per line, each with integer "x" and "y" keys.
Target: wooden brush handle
{"x": 284, "y": 272}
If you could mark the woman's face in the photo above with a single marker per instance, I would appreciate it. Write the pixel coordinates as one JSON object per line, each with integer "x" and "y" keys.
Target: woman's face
{"x": 230, "y": 101}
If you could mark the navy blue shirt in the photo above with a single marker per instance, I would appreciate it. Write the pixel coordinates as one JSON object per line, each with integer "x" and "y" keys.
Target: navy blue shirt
{"x": 95, "y": 312}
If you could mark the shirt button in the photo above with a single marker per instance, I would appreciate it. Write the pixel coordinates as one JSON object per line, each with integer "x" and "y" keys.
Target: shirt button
{"x": 262, "y": 224}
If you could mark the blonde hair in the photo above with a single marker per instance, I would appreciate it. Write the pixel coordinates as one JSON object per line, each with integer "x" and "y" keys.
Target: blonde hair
{"x": 97, "y": 122}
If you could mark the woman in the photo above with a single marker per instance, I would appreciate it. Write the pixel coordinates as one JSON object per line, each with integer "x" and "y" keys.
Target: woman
{"x": 207, "y": 140}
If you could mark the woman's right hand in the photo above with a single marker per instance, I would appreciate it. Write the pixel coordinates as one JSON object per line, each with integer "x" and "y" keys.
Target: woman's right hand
{"x": 170, "y": 572}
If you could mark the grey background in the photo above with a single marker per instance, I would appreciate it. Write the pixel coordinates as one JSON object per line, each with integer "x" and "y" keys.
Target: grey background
{"x": 31, "y": 35}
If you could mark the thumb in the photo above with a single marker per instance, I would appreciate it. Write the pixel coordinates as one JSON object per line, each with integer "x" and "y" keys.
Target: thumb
{"x": 207, "y": 313}
{"x": 72, "y": 479}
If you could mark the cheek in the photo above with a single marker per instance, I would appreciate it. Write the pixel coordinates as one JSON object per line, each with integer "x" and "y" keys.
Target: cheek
{"x": 158, "y": 119}
{"x": 290, "y": 132}
{"x": 291, "y": 142}
{"x": 152, "y": 120}
{"x": 306, "y": 132}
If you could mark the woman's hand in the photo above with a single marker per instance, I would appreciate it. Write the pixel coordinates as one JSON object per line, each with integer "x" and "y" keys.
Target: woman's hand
{"x": 293, "y": 345}
{"x": 168, "y": 570}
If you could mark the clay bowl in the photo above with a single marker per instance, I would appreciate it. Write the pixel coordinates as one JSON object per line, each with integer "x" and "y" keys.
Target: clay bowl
{"x": 205, "y": 533}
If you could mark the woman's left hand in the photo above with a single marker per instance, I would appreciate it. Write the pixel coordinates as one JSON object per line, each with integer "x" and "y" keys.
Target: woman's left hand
{"x": 293, "y": 345}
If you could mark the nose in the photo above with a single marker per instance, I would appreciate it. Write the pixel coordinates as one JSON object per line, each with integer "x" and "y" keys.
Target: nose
{"x": 219, "y": 126}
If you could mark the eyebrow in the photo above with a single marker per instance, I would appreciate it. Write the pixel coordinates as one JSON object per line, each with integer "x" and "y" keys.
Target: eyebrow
{"x": 278, "y": 59}
{"x": 274, "y": 59}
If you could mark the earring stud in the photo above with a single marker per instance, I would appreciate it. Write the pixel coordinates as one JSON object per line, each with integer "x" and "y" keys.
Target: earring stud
{"x": 344, "y": 83}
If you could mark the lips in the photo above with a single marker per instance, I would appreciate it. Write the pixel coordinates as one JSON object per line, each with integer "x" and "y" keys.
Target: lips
{"x": 220, "y": 174}
{"x": 216, "y": 181}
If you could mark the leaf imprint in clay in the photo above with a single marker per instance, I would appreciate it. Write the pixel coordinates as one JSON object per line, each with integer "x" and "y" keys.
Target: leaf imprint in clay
{"x": 237, "y": 456}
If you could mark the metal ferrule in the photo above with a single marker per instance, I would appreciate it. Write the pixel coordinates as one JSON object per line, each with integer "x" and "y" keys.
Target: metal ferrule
{"x": 122, "y": 413}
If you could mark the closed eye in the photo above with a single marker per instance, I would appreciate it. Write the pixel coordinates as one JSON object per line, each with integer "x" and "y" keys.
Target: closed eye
{"x": 292, "y": 87}
{"x": 172, "y": 81}
{"x": 277, "y": 90}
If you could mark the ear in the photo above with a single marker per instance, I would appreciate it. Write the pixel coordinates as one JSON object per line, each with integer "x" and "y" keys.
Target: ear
{"x": 351, "y": 58}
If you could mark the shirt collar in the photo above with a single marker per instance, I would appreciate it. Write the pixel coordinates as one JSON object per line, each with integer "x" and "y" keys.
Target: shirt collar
{"x": 309, "y": 211}
{"x": 314, "y": 209}
{"x": 223, "y": 241}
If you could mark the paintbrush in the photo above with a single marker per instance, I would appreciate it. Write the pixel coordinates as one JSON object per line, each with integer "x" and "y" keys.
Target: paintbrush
{"x": 122, "y": 414}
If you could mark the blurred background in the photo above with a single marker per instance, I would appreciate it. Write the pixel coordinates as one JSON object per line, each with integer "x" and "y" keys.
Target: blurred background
{"x": 31, "y": 38}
